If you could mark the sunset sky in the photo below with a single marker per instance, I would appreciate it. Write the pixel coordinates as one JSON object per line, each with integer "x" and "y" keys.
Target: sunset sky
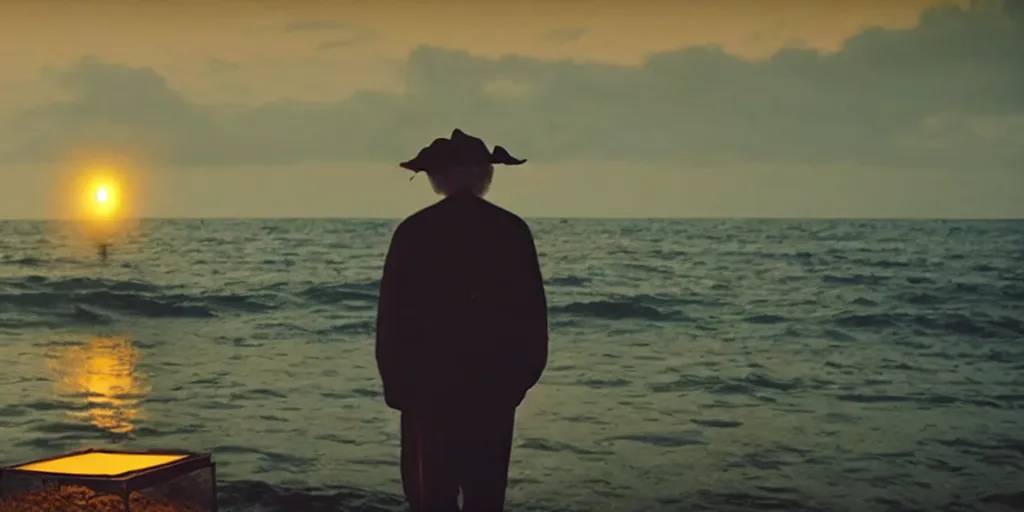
{"x": 640, "y": 108}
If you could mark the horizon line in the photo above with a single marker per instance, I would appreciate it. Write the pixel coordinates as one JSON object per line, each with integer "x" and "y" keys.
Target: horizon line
{"x": 537, "y": 217}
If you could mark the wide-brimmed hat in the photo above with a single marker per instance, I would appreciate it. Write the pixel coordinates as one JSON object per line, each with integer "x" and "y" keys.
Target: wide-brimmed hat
{"x": 459, "y": 150}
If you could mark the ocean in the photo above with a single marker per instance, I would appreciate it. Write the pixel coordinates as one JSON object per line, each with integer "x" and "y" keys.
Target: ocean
{"x": 734, "y": 365}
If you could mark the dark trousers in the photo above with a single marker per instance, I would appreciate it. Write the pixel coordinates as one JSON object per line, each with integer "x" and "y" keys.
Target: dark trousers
{"x": 443, "y": 453}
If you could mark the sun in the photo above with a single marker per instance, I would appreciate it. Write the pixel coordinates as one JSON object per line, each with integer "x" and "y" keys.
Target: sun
{"x": 99, "y": 198}
{"x": 104, "y": 198}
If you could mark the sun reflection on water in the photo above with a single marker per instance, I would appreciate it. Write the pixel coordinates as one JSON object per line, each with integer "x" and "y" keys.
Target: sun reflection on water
{"x": 103, "y": 373}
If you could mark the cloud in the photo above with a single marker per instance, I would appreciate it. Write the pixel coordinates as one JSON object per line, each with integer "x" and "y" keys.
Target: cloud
{"x": 315, "y": 25}
{"x": 565, "y": 35}
{"x": 353, "y": 37}
{"x": 218, "y": 66}
{"x": 943, "y": 94}
{"x": 346, "y": 34}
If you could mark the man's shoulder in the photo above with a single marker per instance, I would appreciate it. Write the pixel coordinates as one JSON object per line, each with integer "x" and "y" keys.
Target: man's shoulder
{"x": 512, "y": 220}
{"x": 410, "y": 222}
{"x": 481, "y": 211}
{"x": 421, "y": 217}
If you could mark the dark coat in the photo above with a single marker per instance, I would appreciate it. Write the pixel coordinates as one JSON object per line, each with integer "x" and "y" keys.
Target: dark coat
{"x": 462, "y": 317}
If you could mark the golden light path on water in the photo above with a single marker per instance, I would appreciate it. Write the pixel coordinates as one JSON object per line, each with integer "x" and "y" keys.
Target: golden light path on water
{"x": 104, "y": 374}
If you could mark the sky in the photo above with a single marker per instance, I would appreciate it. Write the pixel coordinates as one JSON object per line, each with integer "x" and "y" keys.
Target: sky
{"x": 640, "y": 108}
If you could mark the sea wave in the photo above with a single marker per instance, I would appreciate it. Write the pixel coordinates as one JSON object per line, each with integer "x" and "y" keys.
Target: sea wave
{"x": 629, "y": 308}
{"x": 256, "y": 496}
{"x": 35, "y": 300}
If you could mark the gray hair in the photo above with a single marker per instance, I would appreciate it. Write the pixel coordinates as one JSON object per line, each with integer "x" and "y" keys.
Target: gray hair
{"x": 475, "y": 179}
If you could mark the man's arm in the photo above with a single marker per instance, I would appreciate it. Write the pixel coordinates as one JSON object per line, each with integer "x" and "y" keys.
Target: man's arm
{"x": 532, "y": 313}
{"x": 392, "y": 322}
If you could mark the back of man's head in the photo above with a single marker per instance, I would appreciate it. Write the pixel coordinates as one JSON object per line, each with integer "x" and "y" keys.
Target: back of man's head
{"x": 468, "y": 179}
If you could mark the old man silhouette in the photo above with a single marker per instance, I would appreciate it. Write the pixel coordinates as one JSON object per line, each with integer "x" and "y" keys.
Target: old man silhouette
{"x": 462, "y": 330}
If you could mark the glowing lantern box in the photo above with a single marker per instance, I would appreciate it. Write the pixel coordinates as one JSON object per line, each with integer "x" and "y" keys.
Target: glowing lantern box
{"x": 114, "y": 481}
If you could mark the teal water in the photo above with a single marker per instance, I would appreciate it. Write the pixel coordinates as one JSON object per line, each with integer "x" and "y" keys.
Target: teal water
{"x": 695, "y": 365}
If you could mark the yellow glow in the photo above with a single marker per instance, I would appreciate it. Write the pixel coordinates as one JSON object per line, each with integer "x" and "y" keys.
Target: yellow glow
{"x": 104, "y": 373}
{"x": 100, "y": 194}
{"x": 100, "y": 464}
{"x": 103, "y": 198}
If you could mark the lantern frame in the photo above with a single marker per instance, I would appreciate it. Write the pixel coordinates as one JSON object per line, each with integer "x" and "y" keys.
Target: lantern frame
{"x": 125, "y": 483}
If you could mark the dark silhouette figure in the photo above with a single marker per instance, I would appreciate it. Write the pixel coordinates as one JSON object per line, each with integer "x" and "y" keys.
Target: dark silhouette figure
{"x": 103, "y": 249}
{"x": 461, "y": 331}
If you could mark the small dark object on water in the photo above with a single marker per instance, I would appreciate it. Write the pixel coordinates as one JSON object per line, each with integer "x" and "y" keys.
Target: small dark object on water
{"x": 104, "y": 249}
